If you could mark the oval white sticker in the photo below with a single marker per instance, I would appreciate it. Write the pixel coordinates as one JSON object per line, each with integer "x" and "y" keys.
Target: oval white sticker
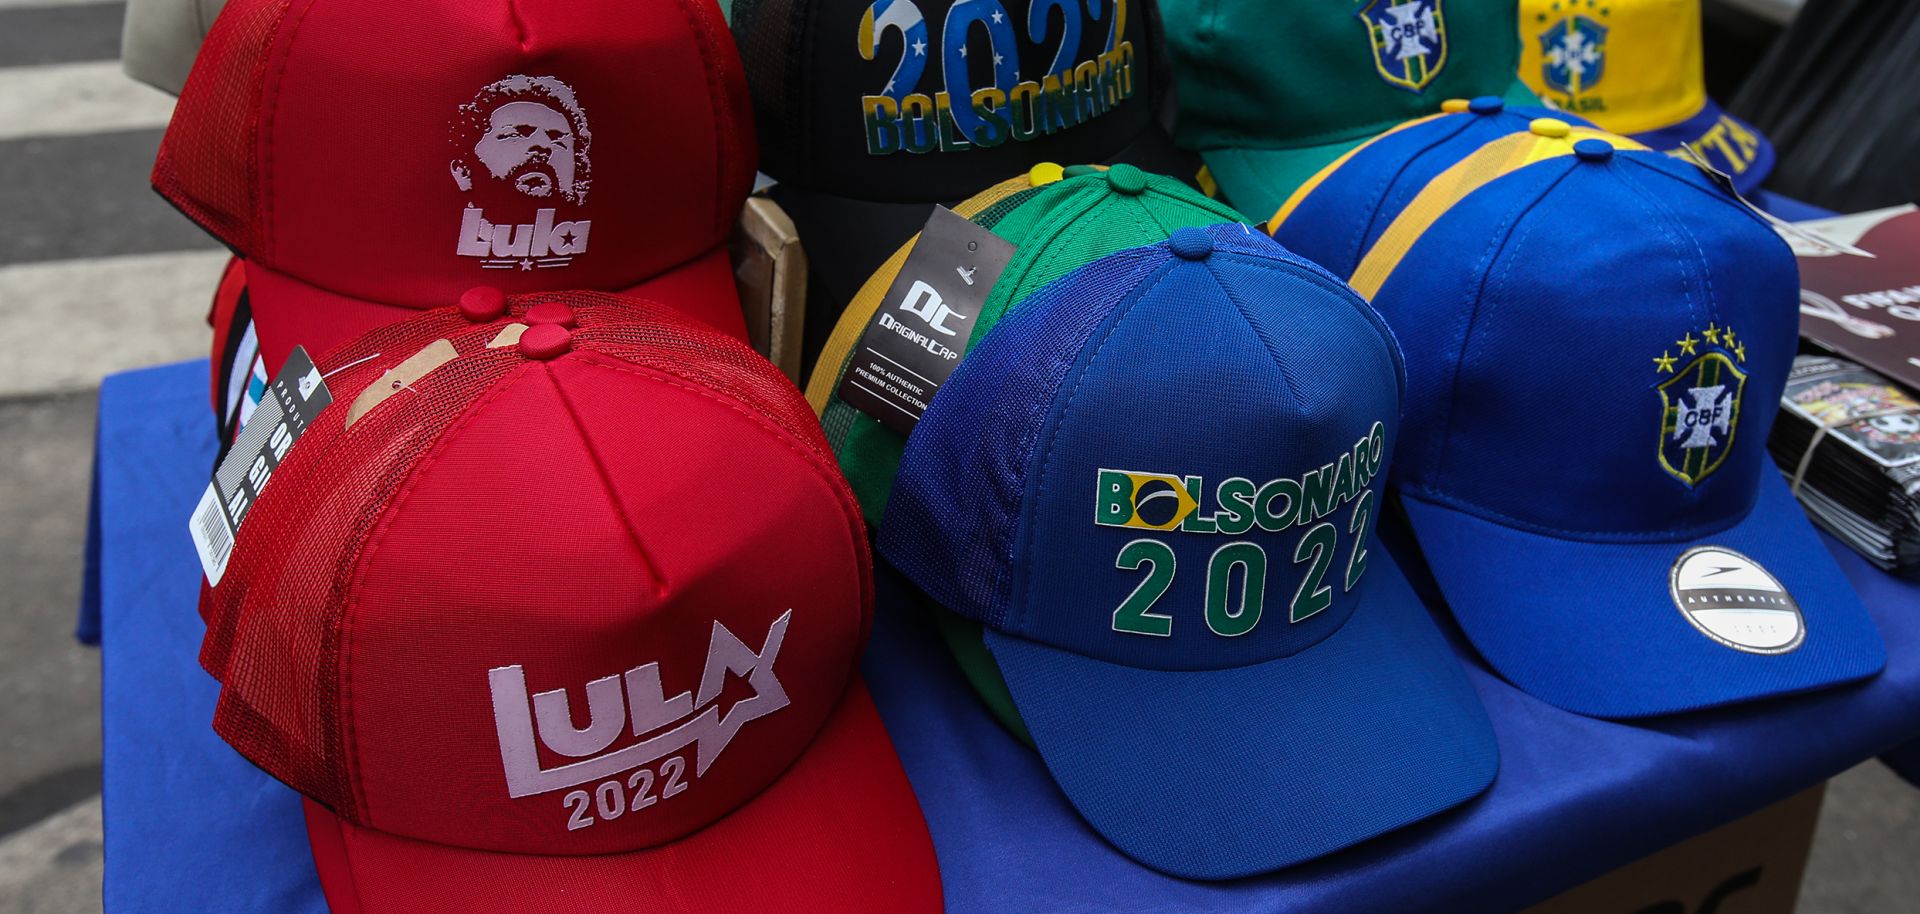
{"x": 1734, "y": 601}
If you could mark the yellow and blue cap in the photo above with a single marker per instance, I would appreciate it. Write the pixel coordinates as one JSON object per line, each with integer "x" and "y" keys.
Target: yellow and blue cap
{"x": 1596, "y": 345}
{"x": 1635, "y": 67}
{"x": 1155, "y": 484}
{"x": 1335, "y": 216}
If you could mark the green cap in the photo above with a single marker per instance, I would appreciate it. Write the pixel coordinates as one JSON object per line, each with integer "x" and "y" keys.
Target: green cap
{"x": 1270, "y": 92}
{"x": 1057, "y": 228}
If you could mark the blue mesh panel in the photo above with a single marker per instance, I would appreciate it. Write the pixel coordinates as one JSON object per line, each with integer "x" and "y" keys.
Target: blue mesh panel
{"x": 955, "y": 507}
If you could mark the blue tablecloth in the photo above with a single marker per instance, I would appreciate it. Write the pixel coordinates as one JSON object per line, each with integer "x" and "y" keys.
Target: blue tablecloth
{"x": 192, "y": 826}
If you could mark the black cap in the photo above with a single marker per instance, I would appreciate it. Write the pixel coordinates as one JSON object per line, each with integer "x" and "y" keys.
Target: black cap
{"x": 853, "y": 104}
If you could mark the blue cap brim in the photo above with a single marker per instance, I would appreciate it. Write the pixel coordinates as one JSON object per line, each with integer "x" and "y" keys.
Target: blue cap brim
{"x": 1593, "y": 627}
{"x": 1220, "y": 774}
{"x": 1694, "y": 129}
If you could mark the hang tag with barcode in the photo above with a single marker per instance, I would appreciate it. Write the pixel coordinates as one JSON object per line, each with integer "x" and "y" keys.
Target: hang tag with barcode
{"x": 1801, "y": 238}
{"x": 921, "y": 329}
{"x": 289, "y": 407}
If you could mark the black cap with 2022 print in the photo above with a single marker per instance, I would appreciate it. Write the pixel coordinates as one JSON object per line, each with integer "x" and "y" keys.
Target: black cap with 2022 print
{"x": 870, "y": 112}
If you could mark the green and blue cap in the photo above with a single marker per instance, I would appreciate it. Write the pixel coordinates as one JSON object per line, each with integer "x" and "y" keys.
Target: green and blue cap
{"x": 1272, "y": 92}
{"x": 1155, "y": 485}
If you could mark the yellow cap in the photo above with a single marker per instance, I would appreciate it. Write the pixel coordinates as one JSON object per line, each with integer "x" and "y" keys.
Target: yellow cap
{"x": 1549, "y": 127}
{"x": 1630, "y": 66}
{"x": 1454, "y": 105}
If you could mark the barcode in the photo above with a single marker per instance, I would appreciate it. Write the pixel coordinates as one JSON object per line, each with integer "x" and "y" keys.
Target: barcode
{"x": 212, "y": 538}
{"x": 213, "y": 529}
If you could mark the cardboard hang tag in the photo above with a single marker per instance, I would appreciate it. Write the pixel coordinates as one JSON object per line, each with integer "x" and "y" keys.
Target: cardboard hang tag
{"x": 292, "y": 401}
{"x": 920, "y": 331}
{"x": 1799, "y": 237}
{"x": 402, "y": 376}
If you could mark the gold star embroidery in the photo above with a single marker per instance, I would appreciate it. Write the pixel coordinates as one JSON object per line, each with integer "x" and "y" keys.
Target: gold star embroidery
{"x": 1664, "y": 362}
{"x": 1741, "y": 351}
{"x": 1712, "y": 333}
{"x": 1686, "y": 344}
{"x": 1727, "y": 339}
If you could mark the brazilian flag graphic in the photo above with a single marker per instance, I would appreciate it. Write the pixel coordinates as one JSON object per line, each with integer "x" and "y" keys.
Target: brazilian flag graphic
{"x": 1145, "y": 501}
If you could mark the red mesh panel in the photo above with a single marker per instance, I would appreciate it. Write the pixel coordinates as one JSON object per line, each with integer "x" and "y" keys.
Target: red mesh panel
{"x": 275, "y": 623}
{"x": 207, "y": 164}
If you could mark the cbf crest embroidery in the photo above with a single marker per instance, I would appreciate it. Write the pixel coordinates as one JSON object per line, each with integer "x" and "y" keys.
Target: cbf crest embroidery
{"x": 1409, "y": 40}
{"x": 1573, "y": 54}
{"x": 1700, "y": 401}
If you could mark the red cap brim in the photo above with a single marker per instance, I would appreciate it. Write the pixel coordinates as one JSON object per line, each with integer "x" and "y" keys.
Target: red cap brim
{"x": 288, "y": 312}
{"x": 840, "y": 831}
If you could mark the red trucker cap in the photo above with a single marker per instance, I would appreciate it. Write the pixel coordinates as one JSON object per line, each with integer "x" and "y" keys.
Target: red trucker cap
{"x": 561, "y": 603}
{"x": 369, "y": 159}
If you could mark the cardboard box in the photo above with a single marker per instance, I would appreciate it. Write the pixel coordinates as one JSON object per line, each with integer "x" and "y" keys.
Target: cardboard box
{"x": 1749, "y": 866}
{"x": 770, "y": 270}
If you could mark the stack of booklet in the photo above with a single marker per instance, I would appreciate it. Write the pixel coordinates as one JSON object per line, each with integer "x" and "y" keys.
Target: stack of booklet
{"x": 1848, "y": 435}
{"x": 1849, "y": 439}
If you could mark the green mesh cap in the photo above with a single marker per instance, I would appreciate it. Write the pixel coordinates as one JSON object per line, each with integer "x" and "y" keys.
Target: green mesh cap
{"x": 1272, "y": 92}
{"x": 1057, "y": 228}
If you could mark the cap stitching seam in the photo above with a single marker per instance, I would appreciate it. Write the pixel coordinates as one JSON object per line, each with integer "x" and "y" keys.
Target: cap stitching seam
{"x": 371, "y": 546}
{"x": 722, "y": 114}
{"x": 1318, "y": 275}
{"x": 1462, "y": 506}
{"x": 1497, "y": 245}
{"x": 1716, "y": 193}
{"x": 829, "y": 475}
{"x": 1050, "y": 226}
{"x": 1677, "y": 233}
{"x": 654, "y": 572}
{"x": 1024, "y": 537}
{"x": 1267, "y": 344}
{"x": 268, "y": 238}
{"x": 1378, "y": 194}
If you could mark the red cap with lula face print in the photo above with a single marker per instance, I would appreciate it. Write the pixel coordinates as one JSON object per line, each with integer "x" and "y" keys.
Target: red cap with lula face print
{"x": 559, "y": 606}
{"x": 368, "y": 159}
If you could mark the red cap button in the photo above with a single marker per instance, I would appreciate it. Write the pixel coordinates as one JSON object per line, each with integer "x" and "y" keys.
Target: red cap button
{"x": 482, "y": 303}
{"x": 545, "y": 341}
{"x": 550, "y": 312}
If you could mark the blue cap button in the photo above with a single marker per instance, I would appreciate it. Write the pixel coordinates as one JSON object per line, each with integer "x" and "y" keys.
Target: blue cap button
{"x": 1190, "y": 243}
{"x": 1487, "y": 104}
{"x": 1591, "y": 150}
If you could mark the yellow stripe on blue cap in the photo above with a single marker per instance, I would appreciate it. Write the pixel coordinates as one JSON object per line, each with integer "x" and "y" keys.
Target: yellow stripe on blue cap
{"x": 1546, "y": 138}
{"x": 1300, "y": 193}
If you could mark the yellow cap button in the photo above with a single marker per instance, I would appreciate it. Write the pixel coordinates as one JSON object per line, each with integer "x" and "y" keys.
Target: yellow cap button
{"x": 1043, "y": 174}
{"x": 1549, "y": 126}
{"x": 1453, "y": 105}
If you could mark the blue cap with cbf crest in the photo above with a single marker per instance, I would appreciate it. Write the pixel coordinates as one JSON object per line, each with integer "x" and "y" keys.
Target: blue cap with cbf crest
{"x": 1596, "y": 341}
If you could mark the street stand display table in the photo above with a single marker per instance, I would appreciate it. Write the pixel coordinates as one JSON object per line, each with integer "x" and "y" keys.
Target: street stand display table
{"x": 191, "y": 825}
